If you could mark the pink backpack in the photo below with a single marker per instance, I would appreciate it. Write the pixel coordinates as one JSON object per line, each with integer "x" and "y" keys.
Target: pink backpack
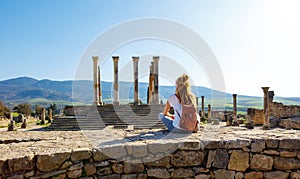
{"x": 188, "y": 120}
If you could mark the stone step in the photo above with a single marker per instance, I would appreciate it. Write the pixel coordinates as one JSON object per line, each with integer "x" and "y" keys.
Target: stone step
{"x": 92, "y": 117}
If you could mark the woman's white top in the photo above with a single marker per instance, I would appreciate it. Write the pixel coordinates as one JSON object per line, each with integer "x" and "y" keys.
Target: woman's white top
{"x": 174, "y": 102}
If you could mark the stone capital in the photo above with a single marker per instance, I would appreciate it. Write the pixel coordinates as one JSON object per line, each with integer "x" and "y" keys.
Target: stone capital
{"x": 135, "y": 59}
{"x": 95, "y": 58}
{"x": 265, "y": 89}
{"x": 155, "y": 59}
{"x": 115, "y": 59}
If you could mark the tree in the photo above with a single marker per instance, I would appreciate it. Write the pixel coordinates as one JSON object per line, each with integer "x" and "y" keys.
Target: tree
{"x": 38, "y": 110}
{"x": 23, "y": 109}
{"x": 54, "y": 109}
{"x": 3, "y": 109}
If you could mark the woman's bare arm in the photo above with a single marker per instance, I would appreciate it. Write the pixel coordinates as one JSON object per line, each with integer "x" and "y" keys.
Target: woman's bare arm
{"x": 166, "y": 110}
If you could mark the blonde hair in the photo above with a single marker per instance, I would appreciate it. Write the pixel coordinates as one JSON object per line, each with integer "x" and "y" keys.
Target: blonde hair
{"x": 183, "y": 90}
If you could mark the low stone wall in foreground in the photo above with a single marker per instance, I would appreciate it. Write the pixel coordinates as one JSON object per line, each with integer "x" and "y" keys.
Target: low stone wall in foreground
{"x": 246, "y": 158}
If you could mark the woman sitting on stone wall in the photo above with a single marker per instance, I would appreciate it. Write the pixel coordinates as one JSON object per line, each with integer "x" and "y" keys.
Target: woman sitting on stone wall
{"x": 185, "y": 117}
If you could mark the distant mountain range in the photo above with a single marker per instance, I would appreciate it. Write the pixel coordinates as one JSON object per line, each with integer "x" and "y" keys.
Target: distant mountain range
{"x": 44, "y": 92}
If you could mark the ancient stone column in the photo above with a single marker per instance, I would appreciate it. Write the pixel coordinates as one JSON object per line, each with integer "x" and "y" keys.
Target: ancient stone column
{"x": 99, "y": 87}
{"x": 156, "y": 93}
{"x": 24, "y": 124}
{"x": 11, "y": 125}
{"x": 116, "y": 80}
{"x": 235, "y": 122}
{"x": 151, "y": 85}
{"x": 96, "y": 85}
{"x": 270, "y": 96}
{"x": 50, "y": 114}
{"x": 209, "y": 114}
{"x": 43, "y": 116}
{"x": 266, "y": 108}
{"x": 271, "y": 107}
{"x": 202, "y": 106}
{"x": 135, "y": 78}
{"x": 250, "y": 114}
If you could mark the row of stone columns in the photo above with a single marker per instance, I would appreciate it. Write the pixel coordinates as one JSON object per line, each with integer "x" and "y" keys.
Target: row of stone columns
{"x": 153, "y": 97}
{"x": 235, "y": 122}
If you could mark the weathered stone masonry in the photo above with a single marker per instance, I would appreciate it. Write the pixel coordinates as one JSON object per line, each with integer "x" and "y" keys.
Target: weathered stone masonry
{"x": 245, "y": 158}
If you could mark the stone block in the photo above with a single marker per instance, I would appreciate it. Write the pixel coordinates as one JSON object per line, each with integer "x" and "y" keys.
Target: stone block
{"x": 60, "y": 176}
{"x": 81, "y": 154}
{"x": 202, "y": 176}
{"x": 190, "y": 145}
{"x": 261, "y": 162}
{"x": 222, "y": 174}
{"x": 187, "y": 158}
{"x": 295, "y": 175}
{"x": 239, "y": 175}
{"x": 113, "y": 176}
{"x": 237, "y": 144}
{"x": 271, "y": 152}
{"x": 215, "y": 145}
{"x": 199, "y": 170}
{"x": 115, "y": 152}
{"x": 221, "y": 159}
{"x": 182, "y": 173}
{"x": 158, "y": 148}
{"x": 76, "y": 166}
{"x": 239, "y": 161}
{"x": 272, "y": 143}
{"x": 164, "y": 162}
{"x": 282, "y": 163}
{"x": 99, "y": 156}
{"x": 49, "y": 162}
{"x": 158, "y": 173}
{"x": 22, "y": 163}
{"x": 276, "y": 175}
{"x": 17, "y": 176}
{"x": 140, "y": 151}
{"x": 66, "y": 165}
{"x": 258, "y": 145}
{"x": 288, "y": 154}
{"x": 142, "y": 176}
{"x": 118, "y": 168}
{"x": 74, "y": 173}
{"x": 53, "y": 173}
{"x": 210, "y": 158}
{"x": 129, "y": 176}
{"x": 254, "y": 175}
{"x": 133, "y": 167}
{"x": 289, "y": 144}
{"x": 104, "y": 171}
{"x": 102, "y": 164}
{"x": 90, "y": 169}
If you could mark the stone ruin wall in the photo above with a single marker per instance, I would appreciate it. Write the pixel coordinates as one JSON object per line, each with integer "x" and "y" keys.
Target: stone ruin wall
{"x": 245, "y": 158}
{"x": 276, "y": 111}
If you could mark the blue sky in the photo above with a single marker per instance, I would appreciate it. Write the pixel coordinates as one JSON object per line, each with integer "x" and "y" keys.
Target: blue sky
{"x": 256, "y": 42}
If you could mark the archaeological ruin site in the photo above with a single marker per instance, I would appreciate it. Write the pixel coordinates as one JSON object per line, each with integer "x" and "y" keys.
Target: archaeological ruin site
{"x": 117, "y": 141}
